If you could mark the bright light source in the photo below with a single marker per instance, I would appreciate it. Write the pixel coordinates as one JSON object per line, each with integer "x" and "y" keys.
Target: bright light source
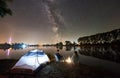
{"x": 68, "y": 60}
{"x": 32, "y": 60}
{"x": 24, "y": 46}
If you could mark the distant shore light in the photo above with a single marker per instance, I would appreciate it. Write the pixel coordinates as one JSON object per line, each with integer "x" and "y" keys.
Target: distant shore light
{"x": 24, "y": 46}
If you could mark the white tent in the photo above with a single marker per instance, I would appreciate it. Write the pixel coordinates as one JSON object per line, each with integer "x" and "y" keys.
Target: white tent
{"x": 32, "y": 60}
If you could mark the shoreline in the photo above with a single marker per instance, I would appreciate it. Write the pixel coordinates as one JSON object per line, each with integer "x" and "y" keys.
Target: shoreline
{"x": 61, "y": 70}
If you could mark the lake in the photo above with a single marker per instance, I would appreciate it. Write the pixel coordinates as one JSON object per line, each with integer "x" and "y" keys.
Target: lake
{"x": 102, "y": 57}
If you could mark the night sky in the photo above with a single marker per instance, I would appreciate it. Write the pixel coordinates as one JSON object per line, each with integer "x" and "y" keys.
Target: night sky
{"x": 49, "y": 21}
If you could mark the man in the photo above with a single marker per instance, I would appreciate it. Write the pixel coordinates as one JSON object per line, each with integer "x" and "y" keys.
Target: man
{"x": 58, "y": 56}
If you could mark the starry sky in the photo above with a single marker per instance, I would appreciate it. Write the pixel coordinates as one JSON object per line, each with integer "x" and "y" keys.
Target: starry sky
{"x": 49, "y": 21}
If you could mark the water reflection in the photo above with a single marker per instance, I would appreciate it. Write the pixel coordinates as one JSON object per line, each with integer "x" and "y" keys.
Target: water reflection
{"x": 67, "y": 48}
{"x": 8, "y": 51}
{"x": 59, "y": 47}
{"x": 86, "y": 55}
{"x": 106, "y": 53}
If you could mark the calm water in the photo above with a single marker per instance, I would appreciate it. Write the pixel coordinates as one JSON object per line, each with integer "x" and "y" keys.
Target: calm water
{"x": 101, "y": 57}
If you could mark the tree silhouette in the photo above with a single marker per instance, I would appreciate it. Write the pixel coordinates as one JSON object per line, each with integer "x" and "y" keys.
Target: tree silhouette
{"x": 4, "y": 10}
{"x": 68, "y": 43}
{"x": 101, "y": 38}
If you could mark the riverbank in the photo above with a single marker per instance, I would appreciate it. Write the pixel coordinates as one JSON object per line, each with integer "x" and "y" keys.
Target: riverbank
{"x": 5, "y": 65}
{"x": 64, "y": 70}
{"x": 61, "y": 70}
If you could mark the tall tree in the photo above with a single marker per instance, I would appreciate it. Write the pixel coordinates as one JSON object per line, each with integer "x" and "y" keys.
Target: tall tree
{"x": 4, "y": 9}
{"x": 68, "y": 43}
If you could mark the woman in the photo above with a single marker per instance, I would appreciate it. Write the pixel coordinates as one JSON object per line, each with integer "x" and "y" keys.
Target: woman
{"x": 75, "y": 58}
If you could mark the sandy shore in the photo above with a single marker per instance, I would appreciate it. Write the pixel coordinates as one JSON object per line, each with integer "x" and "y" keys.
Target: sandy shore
{"x": 59, "y": 70}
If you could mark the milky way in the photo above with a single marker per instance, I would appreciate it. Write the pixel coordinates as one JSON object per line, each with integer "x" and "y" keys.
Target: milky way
{"x": 55, "y": 18}
{"x": 50, "y": 21}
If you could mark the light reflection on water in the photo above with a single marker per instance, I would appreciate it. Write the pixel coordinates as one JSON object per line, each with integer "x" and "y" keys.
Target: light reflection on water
{"x": 101, "y": 57}
{"x": 12, "y": 54}
{"x": 105, "y": 53}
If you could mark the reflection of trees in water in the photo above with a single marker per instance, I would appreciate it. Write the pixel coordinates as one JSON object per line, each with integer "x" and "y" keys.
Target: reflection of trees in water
{"x": 4, "y": 46}
{"x": 10, "y": 48}
{"x": 59, "y": 47}
{"x": 106, "y": 53}
{"x": 68, "y": 48}
{"x": 14, "y": 46}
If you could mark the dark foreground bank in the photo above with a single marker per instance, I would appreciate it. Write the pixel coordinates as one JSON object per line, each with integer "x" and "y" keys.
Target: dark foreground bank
{"x": 59, "y": 70}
